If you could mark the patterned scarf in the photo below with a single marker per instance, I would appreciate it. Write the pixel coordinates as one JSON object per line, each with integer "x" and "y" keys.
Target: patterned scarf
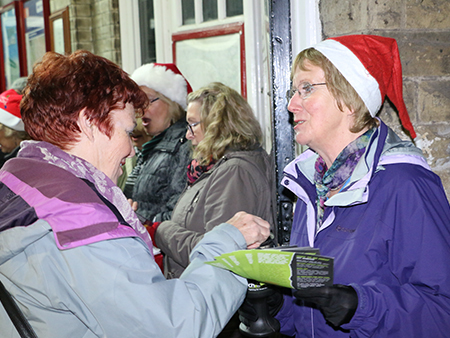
{"x": 49, "y": 153}
{"x": 337, "y": 176}
{"x": 195, "y": 170}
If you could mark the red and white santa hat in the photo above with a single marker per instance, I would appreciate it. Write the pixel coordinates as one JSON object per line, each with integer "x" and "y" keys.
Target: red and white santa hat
{"x": 165, "y": 78}
{"x": 371, "y": 64}
{"x": 10, "y": 110}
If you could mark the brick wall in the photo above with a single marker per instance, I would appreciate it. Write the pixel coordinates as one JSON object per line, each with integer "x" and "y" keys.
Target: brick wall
{"x": 422, "y": 31}
{"x": 94, "y": 26}
{"x": 106, "y": 29}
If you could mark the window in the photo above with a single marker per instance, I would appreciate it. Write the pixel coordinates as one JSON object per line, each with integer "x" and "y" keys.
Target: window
{"x": 34, "y": 32}
{"x": 60, "y": 32}
{"x": 11, "y": 63}
{"x": 218, "y": 51}
{"x": 24, "y": 38}
{"x": 188, "y": 12}
{"x": 147, "y": 29}
{"x": 234, "y": 7}
{"x": 210, "y": 10}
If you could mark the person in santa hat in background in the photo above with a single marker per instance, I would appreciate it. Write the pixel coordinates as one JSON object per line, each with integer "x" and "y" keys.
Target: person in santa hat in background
{"x": 159, "y": 176}
{"x": 366, "y": 198}
{"x": 12, "y": 130}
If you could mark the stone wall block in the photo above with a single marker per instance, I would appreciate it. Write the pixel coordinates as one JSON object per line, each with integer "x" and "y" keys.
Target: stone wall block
{"x": 58, "y": 4}
{"x": 81, "y": 10}
{"x": 104, "y": 6}
{"x": 88, "y": 45}
{"x": 102, "y": 32}
{"x": 424, "y": 53}
{"x": 82, "y": 2}
{"x": 385, "y": 14}
{"x": 428, "y": 13}
{"x": 84, "y": 36}
{"x": 110, "y": 44}
{"x": 434, "y": 101}
{"x": 342, "y": 17}
{"x": 82, "y": 24}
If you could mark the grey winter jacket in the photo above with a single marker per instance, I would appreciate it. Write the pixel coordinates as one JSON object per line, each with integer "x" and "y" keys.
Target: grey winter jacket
{"x": 157, "y": 181}
{"x": 77, "y": 266}
{"x": 240, "y": 181}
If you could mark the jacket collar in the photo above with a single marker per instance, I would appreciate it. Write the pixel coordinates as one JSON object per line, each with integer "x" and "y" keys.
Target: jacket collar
{"x": 385, "y": 147}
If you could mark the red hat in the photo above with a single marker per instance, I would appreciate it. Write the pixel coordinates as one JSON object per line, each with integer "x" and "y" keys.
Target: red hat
{"x": 371, "y": 64}
{"x": 165, "y": 78}
{"x": 10, "y": 110}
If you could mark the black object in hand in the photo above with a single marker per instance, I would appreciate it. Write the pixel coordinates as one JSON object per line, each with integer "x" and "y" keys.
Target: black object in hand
{"x": 258, "y": 310}
{"x": 338, "y": 302}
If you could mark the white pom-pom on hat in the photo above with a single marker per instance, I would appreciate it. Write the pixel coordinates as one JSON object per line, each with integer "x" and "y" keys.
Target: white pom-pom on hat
{"x": 165, "y": 78}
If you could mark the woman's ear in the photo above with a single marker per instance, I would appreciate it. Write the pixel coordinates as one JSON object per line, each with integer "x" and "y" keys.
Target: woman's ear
{"x": 85, "y": 125}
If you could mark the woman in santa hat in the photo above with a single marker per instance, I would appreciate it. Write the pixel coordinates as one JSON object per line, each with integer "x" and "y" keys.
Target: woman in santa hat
{"x": 159, "y": 176}
{"x": 12, "y": 130}
{"x": 366, "y": 198}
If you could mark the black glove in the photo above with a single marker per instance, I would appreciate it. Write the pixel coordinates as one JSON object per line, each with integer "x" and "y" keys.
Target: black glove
{"x": 258, "y": 310}
{"x": 338, "y": 303}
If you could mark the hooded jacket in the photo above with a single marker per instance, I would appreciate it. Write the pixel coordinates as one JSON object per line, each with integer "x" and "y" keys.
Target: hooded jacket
{"x": 388, "y": 230}
{"x": 239, "y": 181}
{"x": 76, "y": 268}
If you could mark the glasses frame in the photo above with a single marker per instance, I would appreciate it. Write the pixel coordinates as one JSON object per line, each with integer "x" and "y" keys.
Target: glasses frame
{"x": 154, "y": 100}
{"x": 291, "y": 92}
{"x": 190, "y": 126}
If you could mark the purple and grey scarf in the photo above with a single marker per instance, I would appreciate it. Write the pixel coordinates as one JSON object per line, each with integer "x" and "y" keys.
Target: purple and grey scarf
{"x": 46, "y": 152}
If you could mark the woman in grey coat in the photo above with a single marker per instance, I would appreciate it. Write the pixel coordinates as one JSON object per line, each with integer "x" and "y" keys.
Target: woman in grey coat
{"x": 230, "y": 172}
{"x": 158, "y": 178}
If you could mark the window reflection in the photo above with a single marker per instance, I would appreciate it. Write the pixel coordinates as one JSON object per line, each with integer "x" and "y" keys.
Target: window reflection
{"x": 209, "y": 10}
{"x": 188, "y": 11}
{"x": 34, "y": 32}
{"x": 234, "y": 7}
{"x": 10, "y": 46}
{"x": 147, "y": 31}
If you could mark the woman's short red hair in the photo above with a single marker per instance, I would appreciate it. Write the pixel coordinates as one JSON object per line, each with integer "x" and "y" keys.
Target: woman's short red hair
{"x": 62, "y": 86}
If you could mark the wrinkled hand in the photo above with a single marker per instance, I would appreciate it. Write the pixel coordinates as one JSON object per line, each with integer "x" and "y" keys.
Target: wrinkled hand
{"x": 254, "y": 229}
{"x": 338, "y": 303}
{"x": 133, "y": 204}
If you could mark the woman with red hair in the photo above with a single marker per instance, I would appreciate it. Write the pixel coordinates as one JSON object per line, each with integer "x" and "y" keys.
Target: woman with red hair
{"x": 75, "y": 258}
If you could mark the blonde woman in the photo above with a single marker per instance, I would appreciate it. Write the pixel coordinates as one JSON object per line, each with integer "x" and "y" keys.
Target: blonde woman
{"x": 230, "y": 172}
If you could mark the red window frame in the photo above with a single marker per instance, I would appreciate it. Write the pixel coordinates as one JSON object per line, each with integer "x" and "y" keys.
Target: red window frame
{"x": 234, "y": 28}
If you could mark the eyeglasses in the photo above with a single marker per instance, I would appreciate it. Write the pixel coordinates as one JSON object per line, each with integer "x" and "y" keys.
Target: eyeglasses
{"x": 154, "y": 100}
{"x": 305, "y": 91}
{"x": 190, "y": 126}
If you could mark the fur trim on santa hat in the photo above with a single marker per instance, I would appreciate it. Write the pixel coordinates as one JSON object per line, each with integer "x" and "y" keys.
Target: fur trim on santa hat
{"x": 163, "y": 79}
{"x": 354, "y": 72}
{"x": 371, "y": 64}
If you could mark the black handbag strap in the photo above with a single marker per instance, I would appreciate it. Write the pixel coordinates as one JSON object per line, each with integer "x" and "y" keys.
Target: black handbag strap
{"x": 20, "y": 322}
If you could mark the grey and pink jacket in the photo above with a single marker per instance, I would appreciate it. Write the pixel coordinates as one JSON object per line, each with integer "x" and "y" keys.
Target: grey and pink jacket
{"x": 76, "y": 268}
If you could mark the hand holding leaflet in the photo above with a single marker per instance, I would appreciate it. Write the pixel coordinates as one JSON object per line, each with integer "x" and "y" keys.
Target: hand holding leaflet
{"x": 289, "y": 267}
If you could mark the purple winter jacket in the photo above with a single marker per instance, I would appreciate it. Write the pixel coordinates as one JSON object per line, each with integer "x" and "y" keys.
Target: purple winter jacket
{"x": 389, "y": 233}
